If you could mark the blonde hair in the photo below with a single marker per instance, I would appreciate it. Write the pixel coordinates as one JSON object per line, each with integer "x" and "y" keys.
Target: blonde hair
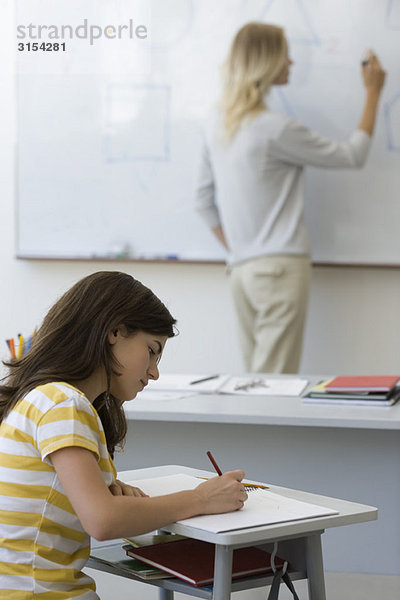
{"x": 256, "y": 58}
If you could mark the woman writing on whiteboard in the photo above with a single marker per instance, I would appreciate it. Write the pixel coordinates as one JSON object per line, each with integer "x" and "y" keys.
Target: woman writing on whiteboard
{"x": 251, "y": 193}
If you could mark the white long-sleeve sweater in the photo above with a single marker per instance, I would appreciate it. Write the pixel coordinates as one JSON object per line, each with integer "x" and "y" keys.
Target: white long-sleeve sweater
{"x": 253, "y": 185}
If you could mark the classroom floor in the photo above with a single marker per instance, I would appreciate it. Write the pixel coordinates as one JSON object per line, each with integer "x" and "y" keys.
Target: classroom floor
{"x": 339, "y": 586}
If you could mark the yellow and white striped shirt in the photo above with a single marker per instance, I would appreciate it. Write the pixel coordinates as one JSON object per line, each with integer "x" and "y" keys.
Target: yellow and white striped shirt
{"x": 43, "y": 546}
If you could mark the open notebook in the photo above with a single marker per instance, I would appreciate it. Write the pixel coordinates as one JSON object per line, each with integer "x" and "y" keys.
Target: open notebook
{"x": 226, "y": 384}
{"x": 263, "y": 507}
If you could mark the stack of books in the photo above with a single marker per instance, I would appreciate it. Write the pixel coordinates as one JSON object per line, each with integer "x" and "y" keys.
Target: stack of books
{"x": 193, "y": 560}
{"x": 114, "y": 555}
{"x": 365, "y": 390}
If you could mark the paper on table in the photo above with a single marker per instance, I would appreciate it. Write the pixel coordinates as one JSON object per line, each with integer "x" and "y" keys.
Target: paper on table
{"x": 263, "y": 507}
{"x": 167, "y": 484}
{"x": 264, "y": 386}
{"x": 225, "y": 384}
{"x": 171, "y": 382}
{"x": 163, "y": 396}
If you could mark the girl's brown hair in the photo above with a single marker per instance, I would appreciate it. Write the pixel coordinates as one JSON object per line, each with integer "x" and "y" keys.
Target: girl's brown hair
{"x": 73, "y": 342}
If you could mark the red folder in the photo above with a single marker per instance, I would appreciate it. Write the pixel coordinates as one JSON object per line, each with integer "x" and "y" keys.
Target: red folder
{"x": 362, "y": 383}
{"x": 193, "y": 560}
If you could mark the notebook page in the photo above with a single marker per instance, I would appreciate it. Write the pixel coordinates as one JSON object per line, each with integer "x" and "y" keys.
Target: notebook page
{"x": 262, "y": 507}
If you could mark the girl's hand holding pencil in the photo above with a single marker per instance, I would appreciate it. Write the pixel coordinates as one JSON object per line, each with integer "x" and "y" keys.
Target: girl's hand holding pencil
{"x": 224, "y": 493}
{"x": 248, "y": 486}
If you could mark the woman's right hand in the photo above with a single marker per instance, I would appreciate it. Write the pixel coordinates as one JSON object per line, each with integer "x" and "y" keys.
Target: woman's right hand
{"x": 373, "y": 73}
{"x": 223, "y": 493}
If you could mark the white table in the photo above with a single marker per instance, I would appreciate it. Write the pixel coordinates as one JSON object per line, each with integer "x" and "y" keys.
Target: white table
{"x": 263, "y": 410}
{"x": 299, "y": 542}
{"x": 348, "y": 451}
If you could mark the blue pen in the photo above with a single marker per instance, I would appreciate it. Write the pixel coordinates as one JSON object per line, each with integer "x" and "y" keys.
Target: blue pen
{"x": 28, "y": 344}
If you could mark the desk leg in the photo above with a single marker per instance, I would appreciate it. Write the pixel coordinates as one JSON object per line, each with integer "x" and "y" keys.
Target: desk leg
{"x": 222, "y": 572}
{"x": 315, "y": 568}
{"x": 165, "y": 594}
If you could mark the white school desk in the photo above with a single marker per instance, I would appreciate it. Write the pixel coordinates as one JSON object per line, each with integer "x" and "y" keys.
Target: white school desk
{"x": 338, "y": 451}
{"x": 298, "y": 541}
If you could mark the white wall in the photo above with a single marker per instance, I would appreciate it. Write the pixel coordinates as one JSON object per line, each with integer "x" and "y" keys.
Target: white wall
{"x": 354, "y": 316}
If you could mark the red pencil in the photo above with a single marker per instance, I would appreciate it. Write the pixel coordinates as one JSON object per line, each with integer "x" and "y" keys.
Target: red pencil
{"x": 216, "y": 467}
{"x": 248, "y": 486}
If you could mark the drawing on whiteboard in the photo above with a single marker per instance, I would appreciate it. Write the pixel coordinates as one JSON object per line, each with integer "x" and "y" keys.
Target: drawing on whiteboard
{"x": 138, "y": 123}
{"x": 297, "y": 21}
{"x": 280, "y": 103}
{"x": 171, "y": 22}
{"x": 393, "y": 14}
{"x": 391, "y": 111}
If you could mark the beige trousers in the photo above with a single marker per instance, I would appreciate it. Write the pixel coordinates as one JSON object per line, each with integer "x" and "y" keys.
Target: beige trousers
{"x": 270, "y": 295}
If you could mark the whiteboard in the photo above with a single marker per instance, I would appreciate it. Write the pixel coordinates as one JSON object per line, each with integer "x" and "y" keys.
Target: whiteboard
{"x": 109, "y": 133}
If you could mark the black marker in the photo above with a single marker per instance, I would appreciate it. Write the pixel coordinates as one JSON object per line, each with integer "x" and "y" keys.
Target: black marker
{"x": 368, "y": 54}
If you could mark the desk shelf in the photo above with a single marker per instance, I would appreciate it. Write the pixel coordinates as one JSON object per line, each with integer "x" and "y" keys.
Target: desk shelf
{"x": 177, "y": 585}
